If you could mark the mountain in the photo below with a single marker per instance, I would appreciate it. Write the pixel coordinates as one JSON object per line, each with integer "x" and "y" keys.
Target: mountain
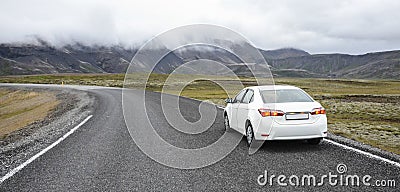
{"x": 385, "y": 65}
{"x": 283, "y": 53}
{"x": 39, "y": 59}
{"x": 23, "y": 59}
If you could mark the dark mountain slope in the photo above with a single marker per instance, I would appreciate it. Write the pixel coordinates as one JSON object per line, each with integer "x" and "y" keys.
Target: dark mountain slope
{"x": 287, "y": 62}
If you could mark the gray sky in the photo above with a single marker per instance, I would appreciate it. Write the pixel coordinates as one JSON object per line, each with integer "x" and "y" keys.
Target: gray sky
{"x": 317, "y": 26}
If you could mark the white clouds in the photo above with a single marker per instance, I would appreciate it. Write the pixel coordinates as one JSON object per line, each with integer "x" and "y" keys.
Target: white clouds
{"x": 352, "y": 26}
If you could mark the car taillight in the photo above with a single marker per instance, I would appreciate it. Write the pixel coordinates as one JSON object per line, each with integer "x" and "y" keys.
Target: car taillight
{"x": 270, "y": 112}
{"x": 318, "y": 111}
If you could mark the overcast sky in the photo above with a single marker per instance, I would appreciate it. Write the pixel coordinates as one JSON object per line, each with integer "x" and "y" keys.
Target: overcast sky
{"x": 343, "y": 26}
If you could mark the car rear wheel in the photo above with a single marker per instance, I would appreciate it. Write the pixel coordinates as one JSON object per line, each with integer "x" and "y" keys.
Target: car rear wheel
{"x": 315, "y": 141}
{"x": 226, "y": 122}
{"x": 249, "y": 134}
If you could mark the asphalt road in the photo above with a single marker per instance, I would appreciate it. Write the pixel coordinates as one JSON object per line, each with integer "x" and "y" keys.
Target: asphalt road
{"x": 101, "y": 156}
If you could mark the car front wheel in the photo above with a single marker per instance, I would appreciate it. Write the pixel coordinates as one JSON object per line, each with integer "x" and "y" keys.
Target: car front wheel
{"x": 249, "y": 135}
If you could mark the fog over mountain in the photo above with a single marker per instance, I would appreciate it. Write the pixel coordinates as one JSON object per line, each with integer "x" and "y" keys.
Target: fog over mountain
{"x": 344, "y": 38}
{"x": 343, "y": 26}
{"x": 26, "y": 59}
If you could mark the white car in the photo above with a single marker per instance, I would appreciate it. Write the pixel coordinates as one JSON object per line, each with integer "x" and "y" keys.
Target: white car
{"x": 276, "y": 112}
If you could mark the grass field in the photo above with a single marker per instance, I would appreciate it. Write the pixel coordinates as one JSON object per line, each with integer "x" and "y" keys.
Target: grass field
{"x": 20, "y": 108}
{"x": 364, "y": 110}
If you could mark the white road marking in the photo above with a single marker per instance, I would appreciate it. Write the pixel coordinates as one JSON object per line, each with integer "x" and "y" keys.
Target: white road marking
{"x": 15, "y": 170}
{"x": 364, "y": 153}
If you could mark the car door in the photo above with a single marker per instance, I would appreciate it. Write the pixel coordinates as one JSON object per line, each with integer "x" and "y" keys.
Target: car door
{"x": 235, "y": 105}
{"x": 243, "y": 110}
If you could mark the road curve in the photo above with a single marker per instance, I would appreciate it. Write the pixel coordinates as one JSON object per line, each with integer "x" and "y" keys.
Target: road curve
{"x": 101, "y": 156}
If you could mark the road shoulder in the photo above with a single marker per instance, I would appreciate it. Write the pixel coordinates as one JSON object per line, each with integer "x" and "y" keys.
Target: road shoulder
{"x": 20, "y": 145}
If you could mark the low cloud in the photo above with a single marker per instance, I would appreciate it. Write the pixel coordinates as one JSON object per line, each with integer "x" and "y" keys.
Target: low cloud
{"x": 346, "y": 26}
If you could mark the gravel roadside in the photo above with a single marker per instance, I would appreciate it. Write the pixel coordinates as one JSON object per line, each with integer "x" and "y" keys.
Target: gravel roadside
{"x": 19, "y": 146}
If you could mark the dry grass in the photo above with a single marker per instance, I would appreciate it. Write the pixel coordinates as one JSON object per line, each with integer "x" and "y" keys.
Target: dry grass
{"x": 108, "y": 80}
{"x": 19, "y": 108}
{"x": 374, "y": 122}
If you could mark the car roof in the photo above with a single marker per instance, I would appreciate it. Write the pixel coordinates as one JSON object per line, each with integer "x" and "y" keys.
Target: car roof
{"x": 273, "y": 87}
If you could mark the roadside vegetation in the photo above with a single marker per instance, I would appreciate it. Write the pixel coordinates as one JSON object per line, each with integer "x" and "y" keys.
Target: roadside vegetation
{"x": 19, "y": 108}
{"x": 108, "y": 80}
{"x": 364, "y": 110}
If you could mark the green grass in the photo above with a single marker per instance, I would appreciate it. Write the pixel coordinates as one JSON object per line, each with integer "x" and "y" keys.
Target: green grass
{"x": 364, "y": 110}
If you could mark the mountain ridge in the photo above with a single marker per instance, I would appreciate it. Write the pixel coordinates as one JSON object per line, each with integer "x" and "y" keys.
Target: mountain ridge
{"x": 26, "y": 59}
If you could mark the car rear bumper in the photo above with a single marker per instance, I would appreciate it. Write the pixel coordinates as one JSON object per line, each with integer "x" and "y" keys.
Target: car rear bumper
{"x": 317, "y": 129}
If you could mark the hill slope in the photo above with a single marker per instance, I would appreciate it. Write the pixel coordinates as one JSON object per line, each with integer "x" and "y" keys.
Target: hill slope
{"x": 372, "y": 65}
{"x": 287, "y": 62}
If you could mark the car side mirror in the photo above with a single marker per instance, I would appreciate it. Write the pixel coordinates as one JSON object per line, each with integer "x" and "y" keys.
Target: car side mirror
{"x": 228, "y": 100}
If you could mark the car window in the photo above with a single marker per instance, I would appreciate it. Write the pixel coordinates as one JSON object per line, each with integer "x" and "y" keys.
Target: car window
{"x": 284, "y": 96}
{"x": 239, "y": 96}
{"x": 248, "y": 97}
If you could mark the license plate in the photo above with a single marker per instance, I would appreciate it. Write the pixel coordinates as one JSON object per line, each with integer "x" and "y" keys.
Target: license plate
{"x": 296, "y": 116}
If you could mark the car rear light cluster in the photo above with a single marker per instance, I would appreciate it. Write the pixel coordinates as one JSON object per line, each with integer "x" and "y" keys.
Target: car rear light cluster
{"x": 270, "y": 112}
{"x": 318, "y": 111}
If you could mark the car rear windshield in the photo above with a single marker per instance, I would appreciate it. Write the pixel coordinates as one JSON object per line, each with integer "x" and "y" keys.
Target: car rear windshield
{"x": 284, "y": 96}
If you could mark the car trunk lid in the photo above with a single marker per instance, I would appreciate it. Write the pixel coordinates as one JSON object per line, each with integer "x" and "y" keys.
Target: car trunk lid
{"x": 295, "y": 113}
